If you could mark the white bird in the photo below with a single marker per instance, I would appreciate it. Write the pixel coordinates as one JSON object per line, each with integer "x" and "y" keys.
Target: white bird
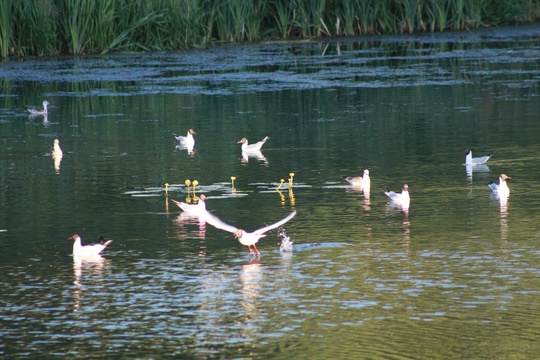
{"x": 501, "y": 189}
{"x": 403, "y": 199}
{"x": 469, "y": 160}
{"x": 246, "y": 148}
{"x": 38, "y": 110}
{"x": 56, "y": 151}
{"x": 194, "y": 209}
{"x": 188, "y": 141}
{"x": 87, "y": 251}
{"x": 362, "y": 182}
{"x": 248, "y": 239}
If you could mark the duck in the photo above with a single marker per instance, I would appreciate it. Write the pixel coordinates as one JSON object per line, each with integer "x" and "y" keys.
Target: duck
{"x": 38, "y": 110}
{"x": 246, "y": 238}
{"x": 501, "y": 189}
{"x": 469, "y": 160}
{"x": 188, "y": 141}
{"x": 247, "y": 148}
{"x": 56, "y": 151}
{"x": 86, "y": 251}
{"x": 402, "y": 199}
{"x": 194, "y": 209}
{"x": 363, "y": 182}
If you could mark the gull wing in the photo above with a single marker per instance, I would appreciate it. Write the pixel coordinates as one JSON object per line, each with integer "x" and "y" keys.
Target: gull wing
{"x": 217, "y": 223}
{"x": 275, "y": 225}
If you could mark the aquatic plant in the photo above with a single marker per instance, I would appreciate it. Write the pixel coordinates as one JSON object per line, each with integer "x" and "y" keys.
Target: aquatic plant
{"x": 5, "y": 27}
{"x": 48, "y": 27}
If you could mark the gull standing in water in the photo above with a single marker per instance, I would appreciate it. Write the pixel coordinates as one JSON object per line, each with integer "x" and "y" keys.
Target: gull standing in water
{"x": 402, "y": 199}
{"x": 248, "y": 239}
{"x": 38, "y": 110}
{"x": 87, "y": 251}
{"x": 501, "y": 189}
{"x": 247, "y": 148}
{"x": 469, "y": 160}
{"x": 360, "y": 182}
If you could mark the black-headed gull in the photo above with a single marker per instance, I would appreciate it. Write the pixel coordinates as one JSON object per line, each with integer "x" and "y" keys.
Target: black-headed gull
{"x": 246, "y": 148}
{"x": 469, "y": 160}
{"x": 38, "y": 110}
{"x": 402, "y": 199}
{"x": 245, "y": 238}
{"x": 188, "y": 141}
{"x": 363, "y": 182}
{"x": 92, "y": 250}
{"x": 501, "y": 189}
{"x": 56, "y": 151}
{"x": 194, "y": 209}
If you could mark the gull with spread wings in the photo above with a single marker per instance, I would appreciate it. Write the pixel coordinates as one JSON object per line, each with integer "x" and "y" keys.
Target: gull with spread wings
{"x": 248, "y": 239}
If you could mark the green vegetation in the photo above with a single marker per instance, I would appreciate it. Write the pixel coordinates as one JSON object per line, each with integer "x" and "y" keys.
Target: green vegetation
{"x": 49, "y": 27}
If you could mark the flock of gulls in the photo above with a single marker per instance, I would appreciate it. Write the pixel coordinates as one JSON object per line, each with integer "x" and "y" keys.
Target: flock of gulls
{"x": 363, "y": 183}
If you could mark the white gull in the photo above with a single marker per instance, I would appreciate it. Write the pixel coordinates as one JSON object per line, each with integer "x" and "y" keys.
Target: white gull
{"x": 247, "y": 148}
{"x": 87, "y": 251}
{"x": 402, "y": 199}
{"x": 469, "y": 160}
{"x": 38, "y": 110}
{"x": 245, "y": 238}
{"x": 501, "y": 189}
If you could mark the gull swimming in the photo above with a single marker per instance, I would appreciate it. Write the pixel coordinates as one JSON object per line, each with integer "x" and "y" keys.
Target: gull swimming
{"x": 188, "y": 140}
{"x": 87, "y": 251}
{"x": 38, "y": 110}
{"x": 247, "y": 148}
{"x": 195, "y": 209}
{"x": 245, "y": 238}
{"x": 403, "y": 199}
{"x": 469, "y": 160}
{"x": 361, "y": 182}
{"x": 501, "y": 189}
{"x": 56, "y": 151}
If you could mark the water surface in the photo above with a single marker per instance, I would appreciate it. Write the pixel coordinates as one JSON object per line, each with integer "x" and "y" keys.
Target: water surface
{"x": 456, "y": 277}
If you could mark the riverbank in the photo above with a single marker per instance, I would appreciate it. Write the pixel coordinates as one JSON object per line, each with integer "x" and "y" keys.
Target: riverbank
{"x": 43, "y": 28}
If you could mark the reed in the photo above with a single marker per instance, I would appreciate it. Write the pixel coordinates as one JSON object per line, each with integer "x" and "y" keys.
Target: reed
{"x": 76, "y": 18}
{"x": 34, "y": 30}
{"x": 5, "y": 27}
{"x": 284, "y": 15}
{"x": 48, "y": 27}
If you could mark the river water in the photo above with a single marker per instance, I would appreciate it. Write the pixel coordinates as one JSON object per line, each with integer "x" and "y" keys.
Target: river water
{"x": 457, "y": 276}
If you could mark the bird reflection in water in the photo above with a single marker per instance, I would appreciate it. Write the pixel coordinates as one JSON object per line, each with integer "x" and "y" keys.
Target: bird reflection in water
{"x": 254, "y": 155}
{"x": 91, "y": 268}
{"x": 251, "y": 280}
{"x": 406, "y": 230}
{"x": 190, "y": 150}
{"x": 469, "y": 169}
{"x": 503, "y": 206}
{"x": 184, "y": 219}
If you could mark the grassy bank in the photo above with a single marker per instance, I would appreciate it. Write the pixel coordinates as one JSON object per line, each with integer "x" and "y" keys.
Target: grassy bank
{"x": 50, "y": 27}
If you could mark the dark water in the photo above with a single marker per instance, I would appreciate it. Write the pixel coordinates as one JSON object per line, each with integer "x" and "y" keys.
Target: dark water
{"x": 458, "y": 277}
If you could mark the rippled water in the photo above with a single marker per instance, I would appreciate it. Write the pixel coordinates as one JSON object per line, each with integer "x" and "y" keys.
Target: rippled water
{"x": 456, "y": 277}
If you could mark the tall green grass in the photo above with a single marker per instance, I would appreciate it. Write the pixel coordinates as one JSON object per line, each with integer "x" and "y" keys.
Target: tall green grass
{"x": 48, "y": 27}
{"x": 5, "y": 27}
